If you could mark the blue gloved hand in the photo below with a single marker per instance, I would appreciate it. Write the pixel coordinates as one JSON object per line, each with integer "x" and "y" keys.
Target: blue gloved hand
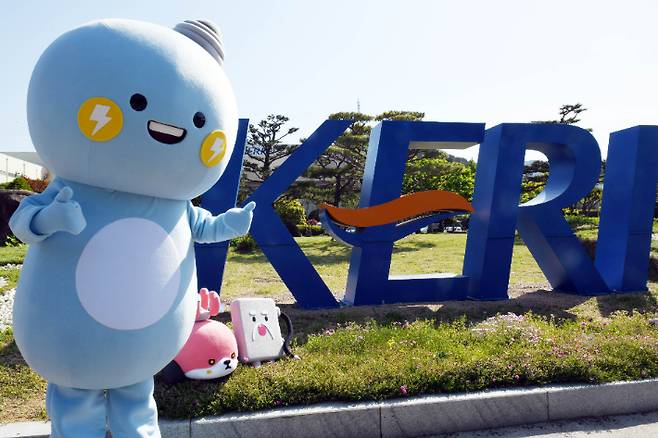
{"x": 63, "y": 214}
{"x": 238, "y": 220}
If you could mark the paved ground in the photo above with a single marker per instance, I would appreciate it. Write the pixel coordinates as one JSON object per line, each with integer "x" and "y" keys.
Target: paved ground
{"x": 635, "y": 426}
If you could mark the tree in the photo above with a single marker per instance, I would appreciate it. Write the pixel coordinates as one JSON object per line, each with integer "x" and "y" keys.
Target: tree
{"x": 461, "y": 180}
{"x": 409, "y": 116}
{"x": 339, "y": 170}
{"x": 530, "y": 189}
{"x": 568, "y": 115}
{"x": 533, "y": 180}
{"x": 535, "y": 175}
{"x": 406, "y": 116}
{"x": 337, "y": 174}
{"x": 265, "y": 149}
{"x": 591, "y": 202}
{"x": 424, "y": 174}
{"x": 18, "y": 183}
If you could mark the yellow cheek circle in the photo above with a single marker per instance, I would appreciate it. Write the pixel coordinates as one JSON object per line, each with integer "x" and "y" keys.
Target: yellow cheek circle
{"x": 100, "y": 119}
{"x": 213, "y": 148}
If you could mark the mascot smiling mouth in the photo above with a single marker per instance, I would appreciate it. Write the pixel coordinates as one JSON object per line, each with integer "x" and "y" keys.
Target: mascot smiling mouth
{"x": 164, "y": 133}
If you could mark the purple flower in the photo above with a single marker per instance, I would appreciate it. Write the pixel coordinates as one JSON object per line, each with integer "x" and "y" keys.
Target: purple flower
{"x": 403, "y": 389}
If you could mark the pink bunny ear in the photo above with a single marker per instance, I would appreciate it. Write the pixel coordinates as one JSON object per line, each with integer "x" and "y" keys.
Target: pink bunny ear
{"x": 198, "y": 312}
{"x": 214, "y": 303}
{"x": 202, "y": 305}
{"x": 203, "y": 295}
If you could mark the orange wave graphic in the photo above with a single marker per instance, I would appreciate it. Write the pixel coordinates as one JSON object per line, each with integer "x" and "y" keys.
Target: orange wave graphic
{"x": 397, "y": 210}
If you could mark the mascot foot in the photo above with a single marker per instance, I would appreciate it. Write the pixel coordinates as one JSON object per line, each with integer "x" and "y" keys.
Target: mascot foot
{"x": 76, "y": 412}
{"x": 131, "y": 411}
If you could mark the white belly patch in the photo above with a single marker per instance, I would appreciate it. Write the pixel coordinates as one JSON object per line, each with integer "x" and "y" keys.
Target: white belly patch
{"x": 128, "y": 274}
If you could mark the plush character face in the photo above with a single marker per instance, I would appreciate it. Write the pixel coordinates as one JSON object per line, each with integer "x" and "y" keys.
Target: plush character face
{"x": 210, "y": 351}
{"x": 256, "y": 325}
{"x": 261, "y": 323}
{"x": 134, "y": 107}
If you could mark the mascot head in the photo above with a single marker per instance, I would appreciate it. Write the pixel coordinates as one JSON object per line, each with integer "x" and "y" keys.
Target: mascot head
{"x": 135, "y": 107}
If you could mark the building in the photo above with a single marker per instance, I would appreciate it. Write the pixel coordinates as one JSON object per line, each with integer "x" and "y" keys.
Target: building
{"x": 13, "y": 164}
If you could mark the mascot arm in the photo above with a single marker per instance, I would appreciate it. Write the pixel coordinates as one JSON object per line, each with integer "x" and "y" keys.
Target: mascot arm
{"x": 207, "y": 228}
{"x": 41, "y": 215}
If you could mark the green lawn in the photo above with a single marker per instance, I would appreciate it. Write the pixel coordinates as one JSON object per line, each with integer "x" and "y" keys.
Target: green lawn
{"x": 372, "y": 353}
{"x": 251, "y": 274}
{"x": 12, "y": 254}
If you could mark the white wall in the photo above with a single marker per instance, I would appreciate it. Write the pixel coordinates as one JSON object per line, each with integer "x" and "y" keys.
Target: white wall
{"x": 12, "y": 166}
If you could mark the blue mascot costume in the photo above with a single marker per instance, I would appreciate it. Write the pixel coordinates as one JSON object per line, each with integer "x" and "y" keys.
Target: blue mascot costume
{"x": 134, "y": 119}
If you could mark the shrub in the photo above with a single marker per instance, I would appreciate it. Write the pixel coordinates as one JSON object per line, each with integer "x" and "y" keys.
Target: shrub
{"x": 12, "y": 241}
{"x": 314, "y": 215}
{"x": 18, "y": 183}
{"x": 580, "y": 221}
{"x": 311, "y": 230}
{"x": 37, "y": 185}
{"x": 316, "y": 230}
{"x": 291, "y": 212}
{"x": 244, "y": 244}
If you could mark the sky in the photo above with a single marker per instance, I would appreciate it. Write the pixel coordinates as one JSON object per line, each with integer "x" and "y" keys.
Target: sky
{"x": 471, "y": 61}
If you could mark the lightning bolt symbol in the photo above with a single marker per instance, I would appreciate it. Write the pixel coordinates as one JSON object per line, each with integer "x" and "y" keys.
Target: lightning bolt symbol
{"x": 99, "y": 115}
{"x": 216, "y": 148}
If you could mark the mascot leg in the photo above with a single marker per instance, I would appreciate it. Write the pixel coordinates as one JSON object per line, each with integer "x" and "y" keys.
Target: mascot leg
{"x": 132, "y": 412}
{"x": 76, "y": 412}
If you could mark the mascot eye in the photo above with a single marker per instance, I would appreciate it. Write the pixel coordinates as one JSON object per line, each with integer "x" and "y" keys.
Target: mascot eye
{"x": 211, "y": 362}
{"x": 266, "y": 318}
{"x": 138, "y": 102}
{"x": 199, "y": 119}
{"x": 253, "y": 318}
{"x": 232, "y": 355}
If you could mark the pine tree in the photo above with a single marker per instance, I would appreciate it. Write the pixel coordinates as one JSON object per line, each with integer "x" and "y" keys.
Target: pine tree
{"x": 265, "y": 150}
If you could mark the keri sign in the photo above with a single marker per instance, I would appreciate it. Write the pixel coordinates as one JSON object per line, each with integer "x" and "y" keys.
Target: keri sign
{"x": 622, "y": 250}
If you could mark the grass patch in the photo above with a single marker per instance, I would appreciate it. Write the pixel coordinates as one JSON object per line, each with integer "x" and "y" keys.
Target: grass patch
{"x": 13, "y": 255}
{"x": 251, "y": 274}
{"x": 372, "y": 361}
{"x": 11, "y": 277}
{"x": 22, "y": 391}
{"x": 381, "y": 352}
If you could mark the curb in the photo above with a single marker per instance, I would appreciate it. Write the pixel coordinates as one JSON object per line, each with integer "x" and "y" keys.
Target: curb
{"x": 417, "y": 416}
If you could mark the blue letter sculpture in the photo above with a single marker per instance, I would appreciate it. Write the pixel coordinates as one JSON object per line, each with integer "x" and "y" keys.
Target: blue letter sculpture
{"x": 575, "y": 162}
{"x": 574, "y": 157}
{"x": 273, "y": 237}
{"x": 629, "y": 199}
{"x": 369, "y": 281}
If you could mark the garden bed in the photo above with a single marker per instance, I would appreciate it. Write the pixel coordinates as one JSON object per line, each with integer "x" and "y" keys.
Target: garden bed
{"x": 373, "y": 353}
{"x": 376, "y": 361}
